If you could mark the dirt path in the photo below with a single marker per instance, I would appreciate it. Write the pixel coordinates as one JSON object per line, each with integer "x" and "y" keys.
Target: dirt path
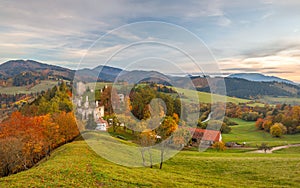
{"x": 275, "y": 148}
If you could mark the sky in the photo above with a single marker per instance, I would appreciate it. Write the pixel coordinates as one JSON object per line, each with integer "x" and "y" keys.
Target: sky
{"x": 228, "y": 36}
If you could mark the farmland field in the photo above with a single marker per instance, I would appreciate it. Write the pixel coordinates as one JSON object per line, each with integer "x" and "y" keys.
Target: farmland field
{"x": 44, "y": 85}
{"x": 76, "y": 165}
{"x": 246, "y": 132}
{"x": 281, "y": 100}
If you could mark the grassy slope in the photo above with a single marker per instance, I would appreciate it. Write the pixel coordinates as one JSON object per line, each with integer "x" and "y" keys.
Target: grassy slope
{"x": 281, "y": 100}
{"x": 291, "y": 150}
{"x": 207, "y": 97}
{"x": 76, "y": 165}
{"x": 246, "y": 132}
{"x": 44, "y": 85}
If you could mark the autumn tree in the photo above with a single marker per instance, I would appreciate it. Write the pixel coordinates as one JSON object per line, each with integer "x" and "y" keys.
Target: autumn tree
{"x": 259, "y": 123}
{"x": 277, "y": 130}
{"x": 11, "y": 150}
{"x": 146, "y": 140}
{"x": 164, "y": 131}
{"x": 181, "y": 137}
{"x": 219, "y": 146}
{"x": 26, "y": 137}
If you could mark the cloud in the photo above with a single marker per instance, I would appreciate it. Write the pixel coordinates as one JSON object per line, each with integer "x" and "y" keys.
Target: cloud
{"x": 253, "y": 35}
{"x": 284, "y": 63}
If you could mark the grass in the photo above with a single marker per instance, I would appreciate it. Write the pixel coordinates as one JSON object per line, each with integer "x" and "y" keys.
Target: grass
{"x": 208, "y": 97}
{"x": 76, "y": 165}
{"x": 291, "y": 150}
{"x": 247, "y": 132}
{"x": 43, "y": 86}
{"x": 281, "y": 100}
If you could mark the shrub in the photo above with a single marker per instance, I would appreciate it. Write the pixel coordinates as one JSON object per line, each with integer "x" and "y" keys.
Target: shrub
{"x": 277, "y": 130}
{"x": 219, "y": 146}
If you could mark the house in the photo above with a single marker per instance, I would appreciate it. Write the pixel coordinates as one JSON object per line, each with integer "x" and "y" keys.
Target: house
{"x": 204, "y": 136}
{"x": 121, "y": 97}
{"x": 101, "y": 125}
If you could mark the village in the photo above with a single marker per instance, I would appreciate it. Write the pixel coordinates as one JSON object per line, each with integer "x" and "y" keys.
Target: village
{"x": 87, "y": 107}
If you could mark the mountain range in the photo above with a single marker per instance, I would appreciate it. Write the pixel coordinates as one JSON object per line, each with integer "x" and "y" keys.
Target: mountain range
{"x": 257, "y": 77}
{"x": 26, "y": 72}
{"x": 20, "y": 72}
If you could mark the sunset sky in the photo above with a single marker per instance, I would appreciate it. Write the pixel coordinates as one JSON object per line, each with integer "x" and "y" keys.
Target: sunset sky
{"x": 244, "y": 36}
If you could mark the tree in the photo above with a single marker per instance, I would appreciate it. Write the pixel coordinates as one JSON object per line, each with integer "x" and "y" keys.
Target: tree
{"x": 165, "y": 130}
{"x": 91, "y": 124}
{"x": 146, "y": 139}
{"x": 267, "y": 125}
{"x": 11, "y": 149}
{"x": 264, "y": 146}
{"x": 215, "y": 125}
{"x": 259, "y": 123}
{"x": 109, "y": 99}
{"x": 181, "y": 137}
{"x": 219, "y": 146}
{"x": 277, "y": 130}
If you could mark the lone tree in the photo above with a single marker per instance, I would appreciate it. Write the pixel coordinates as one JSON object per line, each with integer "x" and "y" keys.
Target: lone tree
{"x": 146, "y": 140}
{"x": 264, "y": 146}
{"x": 164, "y": 131}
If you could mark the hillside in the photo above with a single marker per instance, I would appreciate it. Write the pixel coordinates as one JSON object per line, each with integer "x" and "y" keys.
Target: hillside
{"x": 99, "y": 73}
{"x": 246, "y": 131}
{"x": 76, "y": 165}
{"x": 256, "y": 77}
{"x": 246, "y": 89}
{"x": 26, "y": 72}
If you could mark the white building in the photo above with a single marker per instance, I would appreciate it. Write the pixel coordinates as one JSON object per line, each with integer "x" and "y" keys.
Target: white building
{"x": 121, "y": 97}
{"x": 102, "y": 125}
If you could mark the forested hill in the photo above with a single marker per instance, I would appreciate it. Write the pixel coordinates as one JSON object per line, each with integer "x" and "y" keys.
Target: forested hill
{"x": 31, "y": 134}
{"x": 26, "y": 72}
{"x": 242, "y": 88}
{"x": 260, "y": 78}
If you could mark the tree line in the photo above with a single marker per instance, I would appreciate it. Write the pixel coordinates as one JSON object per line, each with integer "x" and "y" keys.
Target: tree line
{"x": 30, "y": 134}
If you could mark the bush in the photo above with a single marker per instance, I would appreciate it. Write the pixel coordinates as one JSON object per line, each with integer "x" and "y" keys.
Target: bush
{"x": 277, "y": 130}
{"x": 215, "y": 125}
{"x": 250, "y": 116}
{"x": 219, "y": 146}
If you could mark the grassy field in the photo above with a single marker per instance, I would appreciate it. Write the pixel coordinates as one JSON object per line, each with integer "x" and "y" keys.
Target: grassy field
{"x": 281, "y": 100}
{"x": 291, "y": 150}
{"x": 246, "y": 132}
{"x": 44, "y": 85}
{"x": 207, "y": 97}
{"x": 76, "y": 165}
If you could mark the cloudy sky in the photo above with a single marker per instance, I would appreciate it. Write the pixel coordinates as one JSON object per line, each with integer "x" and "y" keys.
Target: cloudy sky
{"x": 242, "y": 36}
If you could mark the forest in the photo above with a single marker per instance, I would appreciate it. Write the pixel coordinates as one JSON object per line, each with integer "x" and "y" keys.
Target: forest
{"x": 31, "y": 133}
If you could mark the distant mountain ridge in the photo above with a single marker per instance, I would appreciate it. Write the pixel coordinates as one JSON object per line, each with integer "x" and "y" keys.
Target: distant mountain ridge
{"x": 29, "y": 72}
{"x": 257, "y": 77}
{"x": 22, "y": 72}
{"x": 15, "y": 67}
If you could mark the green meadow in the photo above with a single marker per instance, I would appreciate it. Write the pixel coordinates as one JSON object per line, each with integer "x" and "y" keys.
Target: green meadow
{"x": 246, "y": 131}
{"x": 43, "y": 86}
{"x": 77, "y": 165}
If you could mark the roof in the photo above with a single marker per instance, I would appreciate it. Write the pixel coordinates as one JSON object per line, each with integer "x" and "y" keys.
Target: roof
{"x": 100, "y": 120}
{"x": 204, "y": 134}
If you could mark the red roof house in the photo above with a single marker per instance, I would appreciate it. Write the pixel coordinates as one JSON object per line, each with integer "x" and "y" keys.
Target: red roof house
{"x": 204, "y": 135}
